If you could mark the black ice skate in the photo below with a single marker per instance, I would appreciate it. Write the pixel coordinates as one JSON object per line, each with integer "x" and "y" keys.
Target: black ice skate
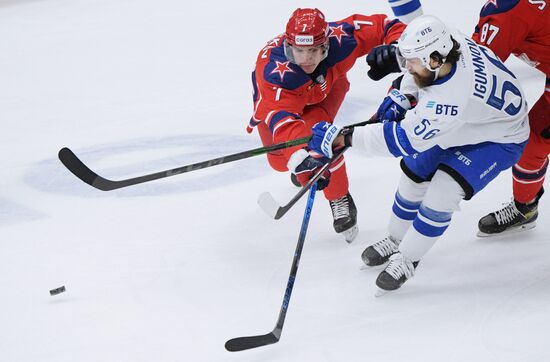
{"x": 514, "y": 216}
{"x": 344, "y": 214}
{"x": 399, "y": 270}
{"x": 379, "y": 253}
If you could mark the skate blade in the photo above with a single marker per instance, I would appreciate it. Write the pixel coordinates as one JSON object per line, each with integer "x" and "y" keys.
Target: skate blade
{"x": 351, "y": 233}
{"x": 513, "y": 230}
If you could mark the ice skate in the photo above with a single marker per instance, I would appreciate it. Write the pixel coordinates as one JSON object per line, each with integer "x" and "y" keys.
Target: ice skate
{"x": 344, "y": 214}
{"x": 513, "y": 217}
{"x": 379, "y": 253}
{"x": 398, "y": 271}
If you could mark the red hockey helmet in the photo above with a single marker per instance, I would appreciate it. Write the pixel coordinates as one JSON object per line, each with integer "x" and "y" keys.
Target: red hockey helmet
{"x": 307, "y": 27}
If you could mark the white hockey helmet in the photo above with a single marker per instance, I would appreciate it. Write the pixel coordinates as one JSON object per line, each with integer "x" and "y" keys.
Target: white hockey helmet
{"x": 423, "y": 36}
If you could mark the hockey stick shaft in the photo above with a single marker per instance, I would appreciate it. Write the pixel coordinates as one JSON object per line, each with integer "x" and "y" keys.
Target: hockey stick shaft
{"x": 244, "y": 343}
{"x": 84, "y": 173}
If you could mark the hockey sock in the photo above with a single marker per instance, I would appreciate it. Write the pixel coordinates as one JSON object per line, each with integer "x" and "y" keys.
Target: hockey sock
{"x": 408, "y": 197}
{"x": 528, "y": 181}
{"x": 434, "y": 216}
{"x": 406, "y": 10}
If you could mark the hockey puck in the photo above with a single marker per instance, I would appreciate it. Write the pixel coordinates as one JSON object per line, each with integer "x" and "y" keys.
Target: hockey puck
{"x": 56, "y": 291}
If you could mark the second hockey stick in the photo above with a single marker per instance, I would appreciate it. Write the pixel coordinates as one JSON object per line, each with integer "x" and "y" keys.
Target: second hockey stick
{"x": 243, "y": 343}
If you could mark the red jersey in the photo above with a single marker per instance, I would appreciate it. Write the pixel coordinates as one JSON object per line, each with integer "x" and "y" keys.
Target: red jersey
{"x": 282, "y": 89}
{"x": 520, "y": 27}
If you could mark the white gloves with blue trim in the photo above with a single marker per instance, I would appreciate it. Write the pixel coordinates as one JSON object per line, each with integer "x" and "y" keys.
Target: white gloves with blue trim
{"x": 393, "y": 107}
{"x": 323, "y": 138}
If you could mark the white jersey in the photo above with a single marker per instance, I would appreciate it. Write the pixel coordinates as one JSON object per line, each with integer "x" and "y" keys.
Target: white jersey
{"x": 479, "y": 101}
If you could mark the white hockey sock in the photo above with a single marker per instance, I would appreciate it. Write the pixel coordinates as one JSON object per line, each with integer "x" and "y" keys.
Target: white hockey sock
{"x": 442, "y": 199}
{"x": 408, "y": 197}
{"x": 406, "y": 10}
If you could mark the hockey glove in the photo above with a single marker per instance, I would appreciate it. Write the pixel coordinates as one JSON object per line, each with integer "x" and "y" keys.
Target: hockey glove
{"x": 394, "y": 106}
{"x": 304, "y": 164}
{"x": 323, "y": 136}
{"x": 382, "y": 61}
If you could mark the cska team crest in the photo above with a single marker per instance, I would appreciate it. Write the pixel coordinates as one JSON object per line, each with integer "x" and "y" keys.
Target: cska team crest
{"x": 282, "y": 68}
{"x": 494, "y": 2}
{"x": 337, "y": 32}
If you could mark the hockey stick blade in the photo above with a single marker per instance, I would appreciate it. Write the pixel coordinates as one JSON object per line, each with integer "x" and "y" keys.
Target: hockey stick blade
{"x": 83, "y": 172}
{"x": 269, "y": 205}
{"x": 244, "y": 343}
{"x": 272, "y": 207}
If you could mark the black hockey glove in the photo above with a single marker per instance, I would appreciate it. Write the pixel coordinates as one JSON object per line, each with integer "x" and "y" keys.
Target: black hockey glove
{"x": 305, "y": 164}
{"x": 382, "y": 61}
{"x": 546, "y": 133}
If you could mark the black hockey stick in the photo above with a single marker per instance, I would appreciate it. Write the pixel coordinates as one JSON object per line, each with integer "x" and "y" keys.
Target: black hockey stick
{"x": 83, "y": 172}
{"x": 276, "y": 211}
{"x": 243, "y": 343}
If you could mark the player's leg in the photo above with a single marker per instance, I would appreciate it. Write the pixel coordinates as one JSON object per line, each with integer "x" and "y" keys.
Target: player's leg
{"x": 276, "y": 159}
{"x": 417, "y": 171}
{"x": 433, "y": 218}
{"x": 528, "y": 178}
{"x": 408, "y": 198}
{"x": 343, "y": 207}
{"x": 462, "y": 173}
{"x": 406, "y": 10}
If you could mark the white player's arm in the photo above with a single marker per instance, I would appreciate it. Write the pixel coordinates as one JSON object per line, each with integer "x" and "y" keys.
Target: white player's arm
{"x": 425, "y": 131}
{"x": 412, "y": 135}
{"x": 382, "y": 139}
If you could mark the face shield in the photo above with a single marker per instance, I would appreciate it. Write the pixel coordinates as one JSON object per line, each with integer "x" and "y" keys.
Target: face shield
{"x": 401, "y": 60}
{"x": 422, "y": 57}
{"x": 290, "y": 54}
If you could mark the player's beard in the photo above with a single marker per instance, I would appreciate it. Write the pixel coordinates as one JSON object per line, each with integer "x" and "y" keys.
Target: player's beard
{"x": 423, "y": 81}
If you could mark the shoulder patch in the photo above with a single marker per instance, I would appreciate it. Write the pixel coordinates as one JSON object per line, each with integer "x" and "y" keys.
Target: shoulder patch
{"x": 493, "y": 7}
{"x": 342, "y": 41}
{"x": 282, "y": 73}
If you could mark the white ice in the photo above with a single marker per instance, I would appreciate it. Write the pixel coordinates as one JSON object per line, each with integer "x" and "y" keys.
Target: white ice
{"x": 171, "y": 269}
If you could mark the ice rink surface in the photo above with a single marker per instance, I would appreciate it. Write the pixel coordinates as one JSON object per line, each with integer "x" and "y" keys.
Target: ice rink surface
{"x": 171, "y": 269}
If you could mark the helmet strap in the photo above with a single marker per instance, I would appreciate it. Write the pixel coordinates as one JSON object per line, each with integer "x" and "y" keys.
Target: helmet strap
{"x": 436, "y": 69}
